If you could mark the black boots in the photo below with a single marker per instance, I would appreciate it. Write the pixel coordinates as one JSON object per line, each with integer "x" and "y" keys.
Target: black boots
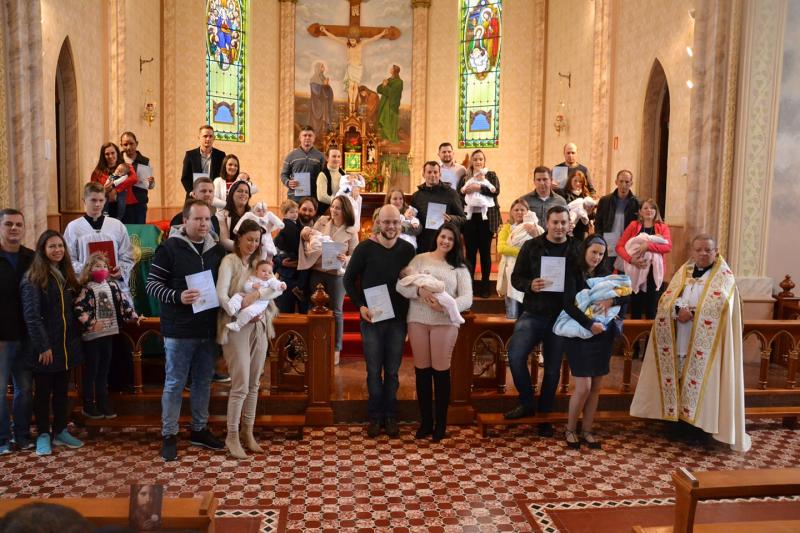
{"x": 425, "y": 400}
{"x": 441, "y": 382}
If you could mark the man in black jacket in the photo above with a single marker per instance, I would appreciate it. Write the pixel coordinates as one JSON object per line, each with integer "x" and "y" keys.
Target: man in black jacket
{"x": 15, "y": 259}
{"x": 204, "y": 160}
{"x": 615, "y": 211}
{"x": 541, "y": 308}
{"x": 434, "y": 190}
{"x": 189, "y": 337}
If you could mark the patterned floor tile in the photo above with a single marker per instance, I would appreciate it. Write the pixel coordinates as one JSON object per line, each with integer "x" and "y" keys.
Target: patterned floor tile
{"x": 337, "y": 479}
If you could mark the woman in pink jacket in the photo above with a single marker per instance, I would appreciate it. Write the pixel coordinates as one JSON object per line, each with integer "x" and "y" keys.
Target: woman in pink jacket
{"x": 642, "y": 247}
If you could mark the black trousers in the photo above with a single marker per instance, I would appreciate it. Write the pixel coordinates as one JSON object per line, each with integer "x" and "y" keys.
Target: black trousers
{"x": 97, "y": 363}
{"x": 645, "y": 304}
{"x": 51, "y": 385}
{"x": 478, "y": 239}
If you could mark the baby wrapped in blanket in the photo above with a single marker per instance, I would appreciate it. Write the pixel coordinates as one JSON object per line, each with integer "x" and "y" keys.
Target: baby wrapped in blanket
{"x": 579, "y": 210}
{"x": 424, "y": 280}
{"x": 600, "y": 289}
{"x": 639, "y": 275}
{"x": 269, "y": 222}
{"x": 314, "y": 245}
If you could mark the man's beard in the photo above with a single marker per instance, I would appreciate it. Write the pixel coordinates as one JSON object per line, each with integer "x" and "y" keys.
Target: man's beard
{"x": 387, "y": 237}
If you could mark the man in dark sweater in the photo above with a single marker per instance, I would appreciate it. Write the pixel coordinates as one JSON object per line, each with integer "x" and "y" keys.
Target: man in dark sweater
{"x": 571, "y": 162}
{"x": 15, "y": 260}
{"x": 434, "y": 190}
{"x": 303, "y": 160}
{"x": 189, "y": 337}
{"x": 541, "y": 307}
{"x": 615, "y": 211}
{"x": 375, "y": 263}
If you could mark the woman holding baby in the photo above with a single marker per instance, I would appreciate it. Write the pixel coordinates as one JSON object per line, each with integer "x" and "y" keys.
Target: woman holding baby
{"x": 245, "y": 347}
{"x": 642, "y": 247}
{"x": 338, "y": 226}
{"x": 117, "y": 178}
{"x": 432, "y": 331}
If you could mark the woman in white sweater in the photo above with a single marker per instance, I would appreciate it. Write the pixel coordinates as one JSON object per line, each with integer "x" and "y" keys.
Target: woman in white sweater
{"x": 430, "y": 331}
{"x": 246, "y": 349}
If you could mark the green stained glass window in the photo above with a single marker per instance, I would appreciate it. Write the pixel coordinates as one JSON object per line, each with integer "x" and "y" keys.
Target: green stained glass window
{"x": 226, "y": 56}
{"x": 479, "y": 69}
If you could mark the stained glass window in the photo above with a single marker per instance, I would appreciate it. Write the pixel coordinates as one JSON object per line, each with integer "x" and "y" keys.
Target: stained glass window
{"x": 479, "y": 68}
{"x": 226, "y": 56}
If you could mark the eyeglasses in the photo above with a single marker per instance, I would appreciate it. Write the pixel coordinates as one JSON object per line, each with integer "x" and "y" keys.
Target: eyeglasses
{"x": 390, "y": 222}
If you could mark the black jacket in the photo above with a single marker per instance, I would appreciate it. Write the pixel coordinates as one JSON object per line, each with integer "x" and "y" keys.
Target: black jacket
{"x": 607, "y": 207}
{"x": 51, "y": 322}
{"x": 192, "y": 162}
{"x": 529, "y": 267}
{"x": 288, "y": 244}
{"x": 12, "y": 323}
{"x": 439, "y": 194}
{"x": 175, "y": 259}
{"x": 140, "y": 194}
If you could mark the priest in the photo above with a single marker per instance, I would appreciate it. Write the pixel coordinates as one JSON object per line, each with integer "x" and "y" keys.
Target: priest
{"x": 692, "y": 370}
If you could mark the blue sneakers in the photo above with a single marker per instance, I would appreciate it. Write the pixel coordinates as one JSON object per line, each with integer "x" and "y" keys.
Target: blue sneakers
{"x": 5, "y": 448}
{"x": 65, "y": 439}
{"x": 43, "y": 445}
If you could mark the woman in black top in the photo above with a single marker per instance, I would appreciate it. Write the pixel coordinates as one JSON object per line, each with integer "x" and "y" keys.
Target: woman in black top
{"x": 588, "y": 358}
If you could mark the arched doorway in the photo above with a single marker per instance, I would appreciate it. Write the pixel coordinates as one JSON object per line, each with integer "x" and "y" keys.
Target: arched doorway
{"x": 66, "y": 115}
{"x": 655, "y": 138}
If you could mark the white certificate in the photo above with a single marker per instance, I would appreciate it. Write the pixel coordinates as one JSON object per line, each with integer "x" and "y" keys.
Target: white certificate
{"x": 449, "y": 176}
{"x": 203, "y": 282}
{"x": 198, "y": 175}
{"x": 143, "y": 173}
{"x": 611, "y": 239}
{"x": 560, "y": 176}
{"x": 303, "y": 183}
{"x": 330, "y": 251}
{"x": 553, "y": 270}
{"x": 435, "y": 215}
{"x": 379, "y": 303}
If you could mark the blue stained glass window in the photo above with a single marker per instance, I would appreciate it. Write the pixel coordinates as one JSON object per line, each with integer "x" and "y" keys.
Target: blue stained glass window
{"x": 226, "y": 55}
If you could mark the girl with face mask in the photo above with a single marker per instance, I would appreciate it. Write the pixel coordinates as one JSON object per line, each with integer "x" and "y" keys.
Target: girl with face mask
{"x": 100, "y": 308}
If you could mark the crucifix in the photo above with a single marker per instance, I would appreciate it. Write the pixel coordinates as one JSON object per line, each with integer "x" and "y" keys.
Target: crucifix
{"x": 354, "y": 36}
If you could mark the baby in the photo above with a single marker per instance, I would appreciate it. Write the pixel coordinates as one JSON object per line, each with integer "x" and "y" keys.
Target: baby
{"x": 348, "y": 182}
{"x": 520, "y": 234}
{"x": 478, "y": 202}
{"x": 639, "y": 275}
{"x": 410, "y": 221}
{"x": 314, "y": 245}
{"x": 424, "y": 280}
{"x": 579, "y": 209}
{"x": 269, "y": 222}
{"x": 269, "y": 288}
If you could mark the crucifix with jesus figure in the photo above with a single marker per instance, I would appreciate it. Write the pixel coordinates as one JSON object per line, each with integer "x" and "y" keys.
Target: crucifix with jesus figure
{"x": 354, "y": 36}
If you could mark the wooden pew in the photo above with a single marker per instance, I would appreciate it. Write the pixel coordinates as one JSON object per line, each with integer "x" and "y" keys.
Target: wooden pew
{"x": 691, "y": 487}
{"x": 177, "y": 513}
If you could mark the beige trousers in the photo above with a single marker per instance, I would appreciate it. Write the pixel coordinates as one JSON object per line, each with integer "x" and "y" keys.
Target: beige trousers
{"x": 245, "y": 353}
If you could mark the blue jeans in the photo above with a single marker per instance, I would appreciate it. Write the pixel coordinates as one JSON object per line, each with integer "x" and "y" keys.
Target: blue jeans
{"x": 12, "y": 366}
{"x": 383, "y": 353}
{"x": 513, "y": 308}
{"x": 529, "y": 331}
{"x": 183, "y": 356}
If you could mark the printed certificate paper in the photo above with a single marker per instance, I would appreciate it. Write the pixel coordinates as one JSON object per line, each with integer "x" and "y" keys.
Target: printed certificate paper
{"x": 203, "y": 282}
{"x": 330, "y": 251}
{"x": 303, "y": 183}
{"x": 553, "y": 270}
{"x": 379, "y": 303}
{"x": 435, "y": 215}
{"x": 560, "y": 176}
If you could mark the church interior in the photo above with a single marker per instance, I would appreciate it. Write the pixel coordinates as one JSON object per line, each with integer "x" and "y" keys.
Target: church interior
{"x": 698, "y": 100}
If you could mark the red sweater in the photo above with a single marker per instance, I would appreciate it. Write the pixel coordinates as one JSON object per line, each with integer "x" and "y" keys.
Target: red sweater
{"x": 634, "y": 229}
{"x": 127, "y": 185}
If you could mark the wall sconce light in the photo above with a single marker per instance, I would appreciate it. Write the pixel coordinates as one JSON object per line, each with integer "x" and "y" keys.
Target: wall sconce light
{"x": 690, "y": 84}
{"x": 561, "y": 123}
{"x": 689, "y": 51}
{"x": 149, "y": 112}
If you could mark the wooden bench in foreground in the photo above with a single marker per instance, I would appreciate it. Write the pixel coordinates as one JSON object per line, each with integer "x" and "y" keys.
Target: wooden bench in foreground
{"x": 485, "y": 421}
{"x": 691, "y": 487}
{"x": 195, "y": 514}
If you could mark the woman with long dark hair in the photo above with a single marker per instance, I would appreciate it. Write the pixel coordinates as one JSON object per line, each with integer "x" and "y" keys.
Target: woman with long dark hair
{"x": 479, "y": 231}
{"x": 236, "y": 205}
{"x": 48, "y": 292}
{"x": 117, "y": 178}
{"x": 431, "y": 332}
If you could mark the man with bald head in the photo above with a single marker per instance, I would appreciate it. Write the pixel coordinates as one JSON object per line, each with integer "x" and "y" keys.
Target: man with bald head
{"x": 376, "y": 263}
{"x": 571, "y": 162}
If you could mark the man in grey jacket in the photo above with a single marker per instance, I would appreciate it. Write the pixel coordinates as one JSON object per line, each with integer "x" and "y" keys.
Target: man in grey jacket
{"x": 303, "y": 160}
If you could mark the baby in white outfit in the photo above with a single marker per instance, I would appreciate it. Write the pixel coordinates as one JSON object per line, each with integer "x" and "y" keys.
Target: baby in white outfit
{"x": 478, "y": 202}
{"x": 263, "y": 279}
{"x": 314, "y": 245}
{"x": 269, "y": 222}
{"x": 424, "y": 280}
{"x": 579, "y": 209}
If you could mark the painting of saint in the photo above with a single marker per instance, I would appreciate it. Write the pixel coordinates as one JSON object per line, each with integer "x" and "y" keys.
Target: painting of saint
{"x": 320, "y": 112}
{"x": 391, "y": 90}
{"x": 482, "y": 33}
{"x": 224, "y": 19}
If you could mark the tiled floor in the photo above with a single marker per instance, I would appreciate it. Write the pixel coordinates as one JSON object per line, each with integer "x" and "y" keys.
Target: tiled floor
{"x": 336, "y": 479}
